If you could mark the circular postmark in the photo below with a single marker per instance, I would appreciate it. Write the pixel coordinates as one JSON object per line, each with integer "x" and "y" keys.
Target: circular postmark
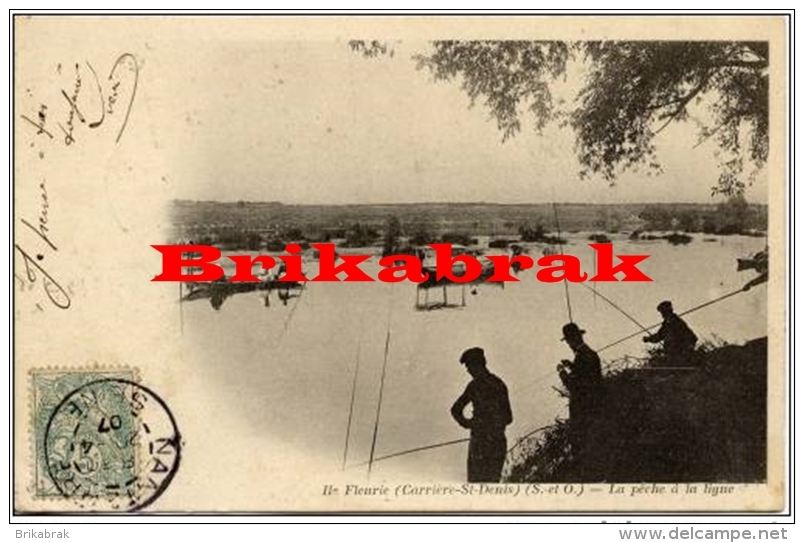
{"x": 112, "y": 445}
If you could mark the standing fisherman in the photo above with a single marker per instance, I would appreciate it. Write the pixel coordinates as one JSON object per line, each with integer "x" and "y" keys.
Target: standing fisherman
{"x": 491, "y": 413}
{"x": 582, "y": 377}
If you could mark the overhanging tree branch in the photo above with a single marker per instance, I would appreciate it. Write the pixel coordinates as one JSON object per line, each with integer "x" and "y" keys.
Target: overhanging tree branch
{"x": 684, "y": 101}
{"x": 629, "y": 86}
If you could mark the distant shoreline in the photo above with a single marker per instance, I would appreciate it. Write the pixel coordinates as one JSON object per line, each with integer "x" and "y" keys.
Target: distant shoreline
{"x": 450, "y": 204}
{"x": 270, "y": 225}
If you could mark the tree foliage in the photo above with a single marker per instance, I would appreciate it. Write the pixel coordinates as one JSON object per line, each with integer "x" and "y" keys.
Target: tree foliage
{"x": 371, "y": 49}
{"x": 393, "y": 229}
{"x": 507, "y": 75}
{"x": 631, "y": 92}
{"x": 360, "y": 235}
{"x": 634, "y": 90}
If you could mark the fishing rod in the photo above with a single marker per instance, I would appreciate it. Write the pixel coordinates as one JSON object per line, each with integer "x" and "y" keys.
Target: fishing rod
{"x": 351, "y": 406}
{"x": 615, "y": 306}
{"x": 561, "y": 251}
{"x": 688, "y": 311}
{"x": 292, "y": 311}
{"x": 644, "y": 329}
{"x": 542, "y": 428}
{"x": 414, "y": 450}
{"x": 440, "y": 445}
{"x": 382, "y": 388}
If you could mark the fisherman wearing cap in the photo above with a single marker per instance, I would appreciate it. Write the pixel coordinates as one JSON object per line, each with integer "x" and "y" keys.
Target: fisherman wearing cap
{"x": 678, "y": 340}
{"x": 491, "y": 413}
{"x": 582, "y": 378}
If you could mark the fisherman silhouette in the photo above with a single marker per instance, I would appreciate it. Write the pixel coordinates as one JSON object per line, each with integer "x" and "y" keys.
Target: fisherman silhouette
{"x": 677, "y": 339}
{"x": 491, "y": 413}
{"x": 582, "y": 377}
{"x": 758, "y": 262}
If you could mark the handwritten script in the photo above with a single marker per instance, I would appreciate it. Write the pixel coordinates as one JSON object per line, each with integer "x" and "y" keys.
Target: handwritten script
{"x": 84, "y": 105}
{"x": 33, "y": 267}
{"x": 113, "y": 96}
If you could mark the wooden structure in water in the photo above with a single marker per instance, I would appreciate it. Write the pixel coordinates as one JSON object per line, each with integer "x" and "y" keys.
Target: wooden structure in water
{"x": 217, "y": 291}
{"x": 443, "y": 283}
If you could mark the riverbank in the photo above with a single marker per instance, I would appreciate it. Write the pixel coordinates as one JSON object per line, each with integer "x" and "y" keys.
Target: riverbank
{"x": 704, "y": 422}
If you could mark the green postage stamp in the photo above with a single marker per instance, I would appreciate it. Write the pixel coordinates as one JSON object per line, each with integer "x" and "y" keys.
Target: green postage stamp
{"x": 50, "y": 390}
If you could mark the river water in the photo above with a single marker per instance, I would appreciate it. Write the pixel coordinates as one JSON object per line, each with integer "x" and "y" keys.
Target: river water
{"x": 289, "y": 369}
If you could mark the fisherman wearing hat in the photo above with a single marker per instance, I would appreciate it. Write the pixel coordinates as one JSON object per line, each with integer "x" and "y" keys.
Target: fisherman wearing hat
{"x": 491, "y": 413}
{"x": 678, "y": 340}
{"x": 582, "y": 378}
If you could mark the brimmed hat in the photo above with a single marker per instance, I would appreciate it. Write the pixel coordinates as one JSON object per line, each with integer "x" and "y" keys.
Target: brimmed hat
{"x": 571, "y": 329}
{"x": 475, "y": 354}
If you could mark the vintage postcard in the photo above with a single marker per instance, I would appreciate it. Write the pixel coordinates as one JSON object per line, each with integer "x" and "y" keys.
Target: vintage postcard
{"x": 275, "y": 264}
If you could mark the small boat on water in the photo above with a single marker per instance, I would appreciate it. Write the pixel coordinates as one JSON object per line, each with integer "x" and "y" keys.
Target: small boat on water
{"x": 758, "y": 262}
{"x": 427, "y": 255}
{"x": 428, "y": 258}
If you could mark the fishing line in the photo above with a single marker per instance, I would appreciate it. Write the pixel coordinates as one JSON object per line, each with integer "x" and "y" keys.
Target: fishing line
{"x": 289, "y": 317}
{"x": 615, "y": 306}
{"x": 645, "y": 329}
{"x": 414, "y": 450}
{"x": 351, "y": 404}
{"x": 539, "y": 380}
{"x": 561, "y": 251}
{"x": 382, "y": 387}
{"x": 688, "y": 311}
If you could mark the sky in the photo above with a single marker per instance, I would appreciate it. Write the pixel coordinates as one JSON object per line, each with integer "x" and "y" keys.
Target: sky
{"x": 311, "y": 122}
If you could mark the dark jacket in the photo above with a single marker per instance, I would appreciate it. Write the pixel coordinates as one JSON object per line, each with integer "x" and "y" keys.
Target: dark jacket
{"x": 675, "y": 335}
{"x": 585, "y": 372}
{"x": 583, "y": 380}
{"x": 491, "y": 409}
